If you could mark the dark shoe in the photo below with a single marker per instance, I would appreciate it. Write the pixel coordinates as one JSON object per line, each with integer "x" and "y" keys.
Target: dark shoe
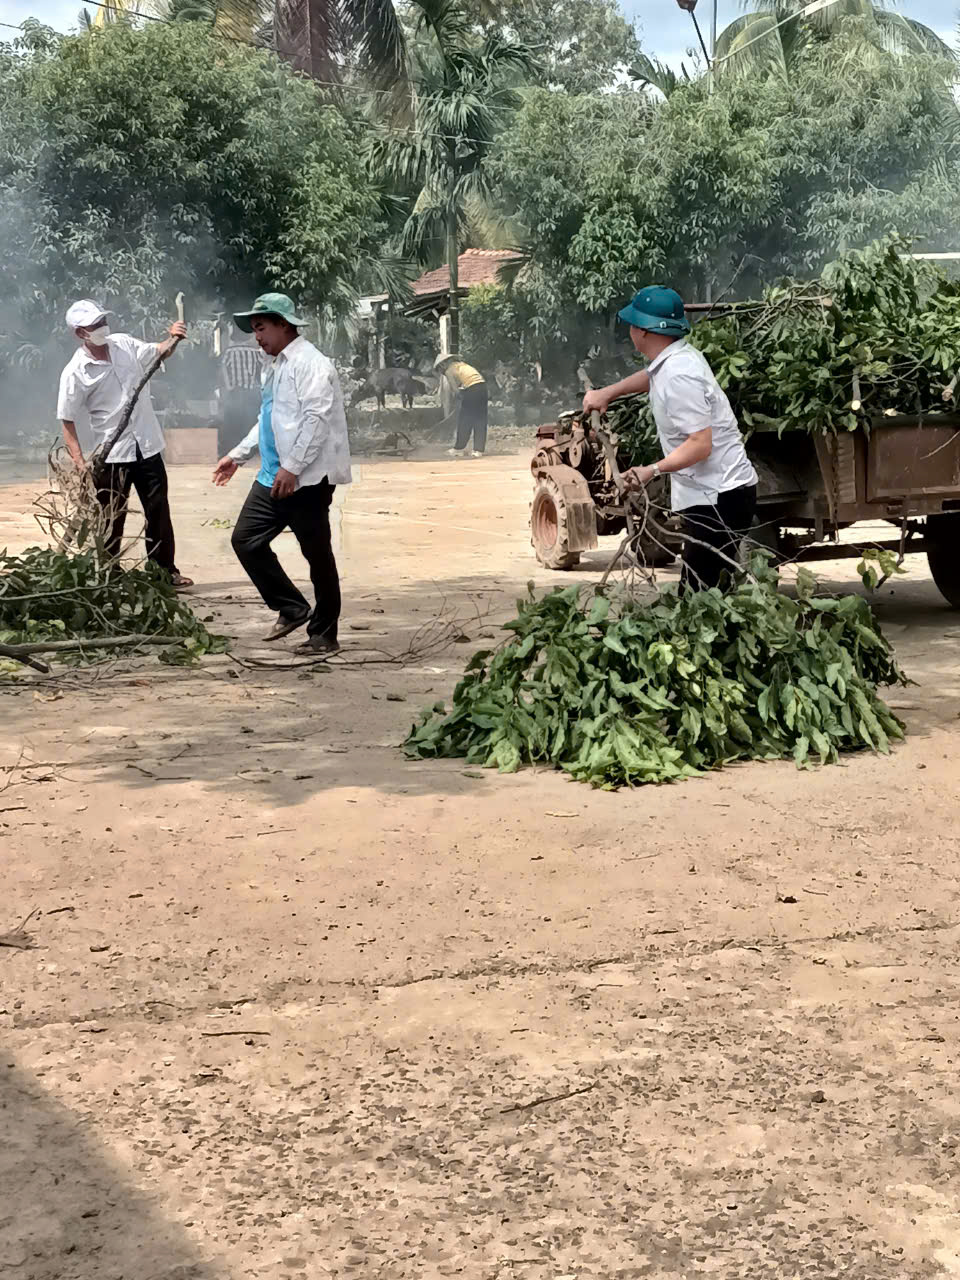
{"x": 317, "y": 647}
{"x": 180, "y": 582}
{"x": 283, "y": 626}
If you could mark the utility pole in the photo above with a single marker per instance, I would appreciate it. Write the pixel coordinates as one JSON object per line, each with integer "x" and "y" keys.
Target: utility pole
{"x": 713, "y": 54}
{"x": 710, "y": 55}
{"x": 688, "y": 6}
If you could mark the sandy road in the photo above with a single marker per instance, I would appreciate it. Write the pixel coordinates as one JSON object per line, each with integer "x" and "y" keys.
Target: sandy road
{"x": 294, "y": 996}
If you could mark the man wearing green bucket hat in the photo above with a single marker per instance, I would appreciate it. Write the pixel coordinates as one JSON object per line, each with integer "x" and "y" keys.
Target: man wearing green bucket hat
{"x": 713, "y": 485}
{"x": 301, "y": 436}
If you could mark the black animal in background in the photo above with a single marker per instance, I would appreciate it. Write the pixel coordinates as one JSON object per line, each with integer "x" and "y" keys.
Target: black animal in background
{"x": 384, "y": 382}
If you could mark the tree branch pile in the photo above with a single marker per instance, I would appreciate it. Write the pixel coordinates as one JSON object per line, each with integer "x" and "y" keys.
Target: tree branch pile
{"x": 878, "y": 334}
{"x": 86, "y": 605}
{"x": 614, "y": 691}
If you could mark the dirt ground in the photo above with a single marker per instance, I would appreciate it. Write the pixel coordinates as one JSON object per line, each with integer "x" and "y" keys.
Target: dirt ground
{"x": 302, "y": 1008}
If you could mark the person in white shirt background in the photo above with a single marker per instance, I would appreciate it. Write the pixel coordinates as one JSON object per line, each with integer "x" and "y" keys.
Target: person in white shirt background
{"x": 240, "y": 367}
{"x": 713, "y": 484}
{"x": 301, "y": 436}
{"x": 97, "y": 381}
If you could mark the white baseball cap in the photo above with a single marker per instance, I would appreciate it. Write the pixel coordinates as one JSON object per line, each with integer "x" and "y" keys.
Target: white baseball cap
{"x": 85, "y": 313}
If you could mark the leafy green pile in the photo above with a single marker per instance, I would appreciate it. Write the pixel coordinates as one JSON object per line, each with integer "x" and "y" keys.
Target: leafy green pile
{"x": 50, "y": 595}
{"x": 877, "y": 334}
{"x": 617, "y": 692}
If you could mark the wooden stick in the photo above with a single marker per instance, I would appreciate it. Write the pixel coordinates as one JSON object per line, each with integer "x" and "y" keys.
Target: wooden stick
{"x": 107, "y": 447}
{"x": 10, "y": 651}
{"x": 22, "y": 652}
{"x": 103, "y": 453}
{"x": 213, "y": 1034}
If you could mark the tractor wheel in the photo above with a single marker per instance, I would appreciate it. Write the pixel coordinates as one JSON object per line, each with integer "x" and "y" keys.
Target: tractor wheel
{"x": 548, "y": 527}
{"x": 943, "y": 554}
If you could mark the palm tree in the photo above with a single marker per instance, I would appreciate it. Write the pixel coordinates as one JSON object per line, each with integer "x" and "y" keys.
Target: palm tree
{"x": 772, "y": 37}
{"x": 460, "y": 84}
{"x": 652, "y": 73}
{"x": 322, "y": 38}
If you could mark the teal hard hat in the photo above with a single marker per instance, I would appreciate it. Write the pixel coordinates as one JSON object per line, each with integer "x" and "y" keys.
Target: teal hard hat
{"x": 658, "y": 310}
{"x": 269, "y": 304}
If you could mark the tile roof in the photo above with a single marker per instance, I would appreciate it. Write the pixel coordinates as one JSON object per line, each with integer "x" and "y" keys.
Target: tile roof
{"x": 477, "y": 266}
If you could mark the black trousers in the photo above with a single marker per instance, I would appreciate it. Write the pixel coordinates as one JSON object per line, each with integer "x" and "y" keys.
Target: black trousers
{"x": 472, "y": 417}
{"x": 149, "y": 477}
{"x": 307, "y": 513}
{"x": 723, "y": 527}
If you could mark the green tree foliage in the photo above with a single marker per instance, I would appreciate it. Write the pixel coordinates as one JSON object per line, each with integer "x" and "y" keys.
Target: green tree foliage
{"x": 319, "y": 38}
{"x": 235, "y": 19}
{"x": 490, "y": 324}
{"x": 135, "y": 163}
{"x": 581, "y": 45}
{"x": 569, "y": 168}
{"x": 764, "y": 176}
{"x": 773, "y": 167}
{"x": 461, "y": 86}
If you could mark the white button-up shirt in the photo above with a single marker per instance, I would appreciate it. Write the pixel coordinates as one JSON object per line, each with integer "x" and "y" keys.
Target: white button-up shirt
{"x": 100, "y": 388}
{"x": 308, "y": 417}
{"x": 685, "y": 398}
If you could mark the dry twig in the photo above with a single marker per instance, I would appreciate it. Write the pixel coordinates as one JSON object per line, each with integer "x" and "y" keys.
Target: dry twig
{"x": 18, "y": 938}
{"x": 428, "y": 641}
{"x": 553, "y": 1097}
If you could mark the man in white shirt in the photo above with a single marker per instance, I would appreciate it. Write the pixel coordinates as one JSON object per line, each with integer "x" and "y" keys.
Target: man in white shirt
{"x": 301, "y": 436}
{"x": 713, "y": 484}
{"x": 98, "y": 381}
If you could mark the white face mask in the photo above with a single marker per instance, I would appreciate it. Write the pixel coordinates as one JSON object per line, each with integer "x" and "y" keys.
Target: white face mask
{"x": 99, "y": 335}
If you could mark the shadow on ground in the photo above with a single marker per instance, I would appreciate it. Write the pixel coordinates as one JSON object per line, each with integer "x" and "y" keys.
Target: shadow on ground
{"x": 69, "y": 1210}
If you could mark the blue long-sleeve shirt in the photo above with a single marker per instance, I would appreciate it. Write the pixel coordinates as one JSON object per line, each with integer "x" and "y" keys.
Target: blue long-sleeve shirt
{"x": 269, "y": 457}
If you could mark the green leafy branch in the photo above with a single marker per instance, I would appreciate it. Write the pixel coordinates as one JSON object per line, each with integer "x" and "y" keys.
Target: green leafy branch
{"x": 877, "y": 335}
{"x": 50, "y": 597}
{"x": 877, "y": 566}
{"x": 616, "y": 692}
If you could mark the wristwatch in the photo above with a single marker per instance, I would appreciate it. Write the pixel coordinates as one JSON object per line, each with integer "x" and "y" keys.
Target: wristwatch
{"x": 656, "y": 472}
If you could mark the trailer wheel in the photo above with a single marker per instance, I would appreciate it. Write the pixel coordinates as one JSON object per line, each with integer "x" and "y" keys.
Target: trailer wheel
{"x": 607, "y": 525}
{"x": 943, "y": 554}
{"x": 548, "y": 527}
{"x": 763, "y": 536}
{"x": 647, "y": 552}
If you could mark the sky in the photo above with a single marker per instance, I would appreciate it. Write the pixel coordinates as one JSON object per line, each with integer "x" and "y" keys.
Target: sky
{"x": 666, "y": 31}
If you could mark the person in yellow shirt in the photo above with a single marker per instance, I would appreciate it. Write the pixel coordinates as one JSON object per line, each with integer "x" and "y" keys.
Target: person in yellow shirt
{"x": 472, "y": 400}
